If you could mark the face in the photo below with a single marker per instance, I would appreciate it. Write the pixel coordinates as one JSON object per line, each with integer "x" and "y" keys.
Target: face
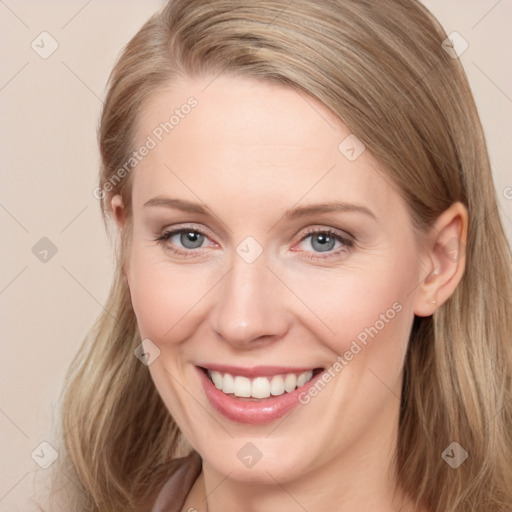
{"x": 266, "y": 258}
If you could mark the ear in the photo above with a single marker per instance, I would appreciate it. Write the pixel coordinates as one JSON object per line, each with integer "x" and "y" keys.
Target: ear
{"x": 118, "y": 211}
{"x": 444, "y": 259}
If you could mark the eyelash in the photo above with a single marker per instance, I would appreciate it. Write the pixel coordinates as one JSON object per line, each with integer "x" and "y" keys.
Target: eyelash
{"x": 166, "y": 235}
{"x": 348, "y": 243}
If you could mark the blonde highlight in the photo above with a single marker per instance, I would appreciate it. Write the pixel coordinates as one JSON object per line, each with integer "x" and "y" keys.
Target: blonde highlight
{"x": 389, "y": 80}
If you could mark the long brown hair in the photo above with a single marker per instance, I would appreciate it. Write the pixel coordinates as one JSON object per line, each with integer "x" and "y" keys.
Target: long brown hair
{"x": 381, "y": 68}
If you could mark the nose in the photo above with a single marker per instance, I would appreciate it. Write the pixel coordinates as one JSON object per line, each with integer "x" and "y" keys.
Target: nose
{"x": 250, "y": 308}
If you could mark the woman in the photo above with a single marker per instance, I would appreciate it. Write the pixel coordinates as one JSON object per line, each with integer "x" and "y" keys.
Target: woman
{"x": 312, "y": 305}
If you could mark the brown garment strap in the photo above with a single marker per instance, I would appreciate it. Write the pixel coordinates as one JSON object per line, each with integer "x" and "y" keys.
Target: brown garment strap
{"x": 183, "y": 473}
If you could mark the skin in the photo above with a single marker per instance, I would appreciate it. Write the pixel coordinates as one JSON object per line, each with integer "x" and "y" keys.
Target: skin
{"x": 249, "y": 151}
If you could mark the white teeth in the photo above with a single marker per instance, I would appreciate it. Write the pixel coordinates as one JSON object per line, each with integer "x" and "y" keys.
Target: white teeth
{"x": 242, "y": 387}
{"x": 259, "y": 387}
{"x": 217, "y": 379}
{"x": 277, "y": 385}
{"x": 303, "y": 378}
{"x": 290, "y": 382}
{"x": 228, "y": 384}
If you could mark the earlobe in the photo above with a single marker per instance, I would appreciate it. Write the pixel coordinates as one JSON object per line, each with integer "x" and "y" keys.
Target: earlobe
{"x": 445, "y": 260}
{"x": 118, "y": 212}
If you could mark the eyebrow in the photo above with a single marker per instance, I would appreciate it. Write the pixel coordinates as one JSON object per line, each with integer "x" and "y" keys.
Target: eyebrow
{"x": 293, "y": 213}
{"x": 177, "y": 204}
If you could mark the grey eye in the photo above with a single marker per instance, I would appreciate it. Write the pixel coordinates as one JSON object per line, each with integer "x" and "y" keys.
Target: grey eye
{"x": 191, "y": 239}
{"x": 322, "y": 242}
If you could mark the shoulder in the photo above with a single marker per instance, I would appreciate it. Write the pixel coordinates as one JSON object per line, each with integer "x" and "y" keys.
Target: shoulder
{"x": 183, "y": 472}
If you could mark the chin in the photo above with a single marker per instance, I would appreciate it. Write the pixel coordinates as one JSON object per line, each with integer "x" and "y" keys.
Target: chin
{"x": 258, "y": 460}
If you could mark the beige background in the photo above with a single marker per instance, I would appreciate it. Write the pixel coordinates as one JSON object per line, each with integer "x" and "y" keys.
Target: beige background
{"x": 49, "y": 113}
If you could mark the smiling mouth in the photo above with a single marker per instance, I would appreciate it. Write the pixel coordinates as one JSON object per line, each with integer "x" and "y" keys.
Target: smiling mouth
{"x": 259, "y": 387}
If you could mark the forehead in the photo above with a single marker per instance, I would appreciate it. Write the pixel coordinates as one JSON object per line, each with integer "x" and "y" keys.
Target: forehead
{"x": 245, "y": 140}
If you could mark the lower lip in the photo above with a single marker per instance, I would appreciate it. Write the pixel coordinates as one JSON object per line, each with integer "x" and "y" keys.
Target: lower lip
{"x": 255, "y": 412}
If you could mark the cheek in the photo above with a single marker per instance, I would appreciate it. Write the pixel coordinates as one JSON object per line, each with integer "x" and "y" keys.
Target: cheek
{"x": 365, "y": 311}
{"x": 165, "y": 297}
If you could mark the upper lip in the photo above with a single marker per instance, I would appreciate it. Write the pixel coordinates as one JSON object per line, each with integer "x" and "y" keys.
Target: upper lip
{"x": 256, "y": 371}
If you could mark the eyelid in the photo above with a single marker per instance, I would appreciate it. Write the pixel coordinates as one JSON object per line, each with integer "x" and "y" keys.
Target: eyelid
{"x": 347, "y": 240}
{"x": 309, "y": 231}
{"x": 344, "y": 235}
{"x": 170, "y": 231}
{"x": 175, "y": 229}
